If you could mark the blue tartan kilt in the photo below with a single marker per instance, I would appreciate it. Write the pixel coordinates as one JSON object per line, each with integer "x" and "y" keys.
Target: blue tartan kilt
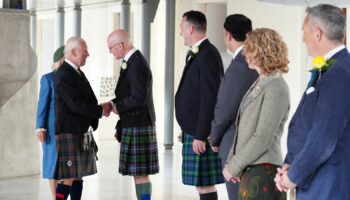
{"x": 200, "y": 170}
{"x": 72, "y": 162}
{"x": 138, "y": 151}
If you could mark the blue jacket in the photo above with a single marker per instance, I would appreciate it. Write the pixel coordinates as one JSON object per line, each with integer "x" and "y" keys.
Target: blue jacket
{"x": 46, "y": 119}
{"x": 46, "y": 111}
{"x": 319, "y": 136}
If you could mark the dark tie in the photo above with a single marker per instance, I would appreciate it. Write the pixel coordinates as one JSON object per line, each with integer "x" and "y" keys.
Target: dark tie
{"x": 121, "y": 67}
{"x": 82, "y": 75}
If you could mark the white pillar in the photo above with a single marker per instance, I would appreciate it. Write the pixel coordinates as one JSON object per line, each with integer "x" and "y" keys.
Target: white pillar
{"x": 149, "y": 9}
{"x": 59, "y": 27}
{"x": 77, "y": 20}
{"x": 125, "y": 15}
{"x": 33, "y": 29}
{"x": 169, "y": 74}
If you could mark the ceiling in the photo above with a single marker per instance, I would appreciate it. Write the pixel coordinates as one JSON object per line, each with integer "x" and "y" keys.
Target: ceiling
{"x": 40, "y": 5}
{"x": 339, "y": 3}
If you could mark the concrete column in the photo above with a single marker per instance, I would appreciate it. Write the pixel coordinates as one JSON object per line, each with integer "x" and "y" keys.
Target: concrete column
{"x": 125, "y": 15}
{"x": 169, "y": 74}
{"x": 33, "y": 29}
{"x": 77, "y": 20}
{"x": 59, "y": 27}
{"x": 149, "y": 9}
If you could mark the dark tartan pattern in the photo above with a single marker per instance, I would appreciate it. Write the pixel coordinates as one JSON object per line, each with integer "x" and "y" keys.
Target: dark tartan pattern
{"x": 138, "y": 151}
{"x": 200, "y": 170}
{"x": 72, "y": 162}
{"x": 257, "y": 183}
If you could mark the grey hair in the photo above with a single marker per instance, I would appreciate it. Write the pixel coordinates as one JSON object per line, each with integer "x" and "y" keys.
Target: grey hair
{"x": 73, "y": 43}
{"x": 330, "y": 19}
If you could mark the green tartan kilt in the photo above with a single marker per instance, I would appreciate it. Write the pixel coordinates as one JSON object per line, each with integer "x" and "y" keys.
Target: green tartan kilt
{"x": 72, "y": 162}
{"x": 138, "y": 151}
{"x": 200, "y": 170}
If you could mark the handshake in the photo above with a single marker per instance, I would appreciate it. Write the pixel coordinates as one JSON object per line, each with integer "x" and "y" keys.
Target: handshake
{"x": 108, "y": 107}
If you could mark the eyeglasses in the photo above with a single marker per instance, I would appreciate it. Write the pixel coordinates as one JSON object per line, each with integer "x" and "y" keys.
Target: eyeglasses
{"x": 111, "y": 47}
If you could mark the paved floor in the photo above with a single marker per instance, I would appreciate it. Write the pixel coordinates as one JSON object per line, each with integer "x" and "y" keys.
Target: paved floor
{"x": 108, "y": 183}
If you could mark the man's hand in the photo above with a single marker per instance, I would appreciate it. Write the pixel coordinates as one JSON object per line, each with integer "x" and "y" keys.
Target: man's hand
{"x": 41, "y": 136}
{"x": 228, "y": 176}
{"x": 198, "y": 146}
{"x": 106, "y": 109}
{"x": 114, "y": 109}
{"x": 215, "y": 149}
{"x": 286, "y": 182}
{"x": 282, "y": 181}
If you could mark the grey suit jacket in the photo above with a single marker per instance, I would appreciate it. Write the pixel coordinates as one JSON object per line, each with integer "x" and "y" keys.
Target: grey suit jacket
{"x": 260, "y": 121}
{"x": 237, "y": 80}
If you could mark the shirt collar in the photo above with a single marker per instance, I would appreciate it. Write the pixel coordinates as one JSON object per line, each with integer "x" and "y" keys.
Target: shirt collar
{"x": 129, "y": 54}
{"x": 239, "y": 49}
{"x": 71, "y": 64}
{"x": 199, "y": 42}
{"x": 332, "y": 52}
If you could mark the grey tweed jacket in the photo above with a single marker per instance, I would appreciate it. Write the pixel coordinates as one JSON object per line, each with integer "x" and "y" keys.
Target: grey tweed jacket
{"x": 260, "y": 121}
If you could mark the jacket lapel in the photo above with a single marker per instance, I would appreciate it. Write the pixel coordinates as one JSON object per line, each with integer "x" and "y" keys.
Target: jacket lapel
{"x": 188, "y": 63}
{"x": 257, "y": 89}
{"x": 81, "y": 80}
{"x": 128, "y": 64}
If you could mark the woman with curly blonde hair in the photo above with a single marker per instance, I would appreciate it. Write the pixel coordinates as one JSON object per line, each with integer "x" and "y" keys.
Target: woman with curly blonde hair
{"x": 256, "y": 151}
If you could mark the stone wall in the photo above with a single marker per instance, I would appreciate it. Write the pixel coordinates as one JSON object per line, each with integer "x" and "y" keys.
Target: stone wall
{"x": 19, "y": 149}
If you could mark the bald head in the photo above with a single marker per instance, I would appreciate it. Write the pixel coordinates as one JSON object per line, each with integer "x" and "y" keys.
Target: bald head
{"x": 119, "y": 43}
{"x": 119, "y": 36}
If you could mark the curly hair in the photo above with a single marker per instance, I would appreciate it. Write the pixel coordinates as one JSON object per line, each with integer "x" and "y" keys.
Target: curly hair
{"x": 266, "y": 49}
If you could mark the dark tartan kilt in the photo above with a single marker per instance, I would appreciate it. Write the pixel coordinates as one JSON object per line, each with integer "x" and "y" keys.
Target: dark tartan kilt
{"x": 138, "y": 151}
{"x": 200, "y": 170}
{"x": 72, "y": 162}
{"x": 257, "y": 183}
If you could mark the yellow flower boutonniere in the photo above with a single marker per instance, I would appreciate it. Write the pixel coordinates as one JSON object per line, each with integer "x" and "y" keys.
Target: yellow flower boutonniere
{"x": 319, "y": 67}
{"x": 320, "y": 64}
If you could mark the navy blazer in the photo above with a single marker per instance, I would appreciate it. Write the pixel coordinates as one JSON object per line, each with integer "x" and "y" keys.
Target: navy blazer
{"x": 196, "y": 96}
{"x": 133, "y": 93}
{"x": 75, "y": 102}
{"x": 237, "y": 80}
{"x": 319, "y": 136}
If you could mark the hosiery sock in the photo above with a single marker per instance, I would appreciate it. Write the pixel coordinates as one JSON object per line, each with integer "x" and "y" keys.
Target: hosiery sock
{"x": 62, "y": 191}
{"x": 209, "y": 196}
{"x": 76, "y": 190}
{"x": 143, "y": 191}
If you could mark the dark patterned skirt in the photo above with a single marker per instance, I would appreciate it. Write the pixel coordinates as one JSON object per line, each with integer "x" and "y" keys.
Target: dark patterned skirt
{"x": 138, "y": 151}
{"x": 257, "y": 183}
{"x": 72, "y": 162}
{"x": 200, "y": 170}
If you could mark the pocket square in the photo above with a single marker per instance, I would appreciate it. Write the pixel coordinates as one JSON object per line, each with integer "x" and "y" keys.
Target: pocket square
{"x": 310, "y": 90}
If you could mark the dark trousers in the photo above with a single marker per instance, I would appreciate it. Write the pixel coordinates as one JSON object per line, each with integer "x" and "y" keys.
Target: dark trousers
{"x": 232, "y": 188}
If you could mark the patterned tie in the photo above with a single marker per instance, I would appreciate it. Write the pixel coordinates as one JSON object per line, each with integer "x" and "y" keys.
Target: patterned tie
{"x": 121, "y": 67}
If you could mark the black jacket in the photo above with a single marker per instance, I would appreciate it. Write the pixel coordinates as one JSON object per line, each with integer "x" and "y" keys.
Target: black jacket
{"x": 75, "y": 102}
{"x": 196, "y": 96}
{"x": 133, "y": 93}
